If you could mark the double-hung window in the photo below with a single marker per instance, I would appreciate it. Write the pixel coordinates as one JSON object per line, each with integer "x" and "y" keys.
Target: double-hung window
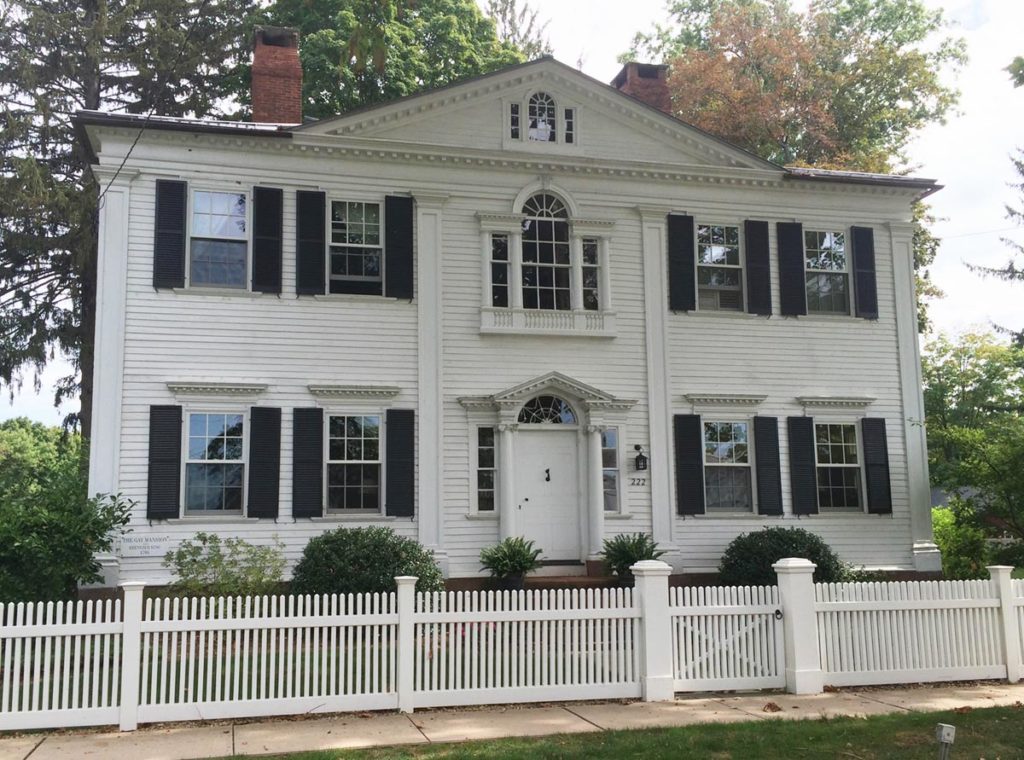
{"x": 719, "y": 268}
{"x": 486, "y": 469}
{"x": 838, "y": 464}
{"x": 591, "y": 274}
{"x": 215, "y": 463}
{"x": 353, "y": 462}
{"x": 727, "y": 470}
{"x": 827, "y": 272}
{"x": 356, "y": 257}
{"x": 499, "y": 270}
{"x": 219, "y": 239}
{"x": 610, "y": 468}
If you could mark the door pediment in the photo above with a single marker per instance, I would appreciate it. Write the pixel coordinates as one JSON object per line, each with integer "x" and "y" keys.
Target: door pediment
{"x": 554, "y": 383}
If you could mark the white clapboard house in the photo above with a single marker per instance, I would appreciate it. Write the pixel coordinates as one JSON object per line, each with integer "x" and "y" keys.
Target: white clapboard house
{"x": 526, "y": 304}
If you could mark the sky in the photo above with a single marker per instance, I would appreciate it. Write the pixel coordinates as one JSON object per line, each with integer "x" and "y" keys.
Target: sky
{"x": 969, "y": 155}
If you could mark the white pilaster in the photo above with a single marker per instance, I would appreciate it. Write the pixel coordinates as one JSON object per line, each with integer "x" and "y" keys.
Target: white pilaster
{"x": 507, "y": 505}
{"x": 595, "y": 492}
{"x": 925, "y": 552}
{"x": 430, "y": 406}
{"x": 576, "y": 273}
{"x": 515, "y": 278}
{"x": 653, "y": 231}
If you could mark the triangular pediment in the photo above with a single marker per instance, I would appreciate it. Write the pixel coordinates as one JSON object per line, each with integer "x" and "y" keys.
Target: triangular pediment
{"x": 554, "y": 384}
{"x": 472, "y": 117}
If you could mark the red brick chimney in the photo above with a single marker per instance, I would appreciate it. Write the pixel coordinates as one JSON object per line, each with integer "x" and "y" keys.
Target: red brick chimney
{"x": 276, "y": 76}
{"x": 647, "y": 82}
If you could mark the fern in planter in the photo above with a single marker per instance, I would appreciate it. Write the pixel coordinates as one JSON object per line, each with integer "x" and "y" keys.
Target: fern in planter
{"x": 510, "y": 561}
{"x": 623, "y": 551}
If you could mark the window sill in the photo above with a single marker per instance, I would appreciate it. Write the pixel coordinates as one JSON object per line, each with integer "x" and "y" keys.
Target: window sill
{"x": 723, "y": 314}
{"x": 484, "y": 516}
{"x": 369, "y": 517}
{"x": 223, "y": 293}
{"x": 227, "y": 518}
{"x": 579, "y": 323}
{"x": 354, "y": 297}
{"x": 617, "y": 516}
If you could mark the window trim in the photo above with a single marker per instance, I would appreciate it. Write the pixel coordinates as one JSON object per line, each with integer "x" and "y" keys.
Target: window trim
{"x": 193, "y": 188}
{"x": 348, "y": 411}
{"x": 213, "y": 408}
{"x": 751, "y": 464}
{"x": 330, "y": 200}
{"x": 741, "y": 267}
{"x": 861, "y": 482}
{"x": 832, "y": 229}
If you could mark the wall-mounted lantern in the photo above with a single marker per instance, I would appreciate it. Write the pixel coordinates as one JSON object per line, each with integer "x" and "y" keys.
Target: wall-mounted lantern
{"x": 641, "y": 459}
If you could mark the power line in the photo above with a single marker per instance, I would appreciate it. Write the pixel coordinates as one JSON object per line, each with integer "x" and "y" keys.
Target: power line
{"x": 152, "y": 110}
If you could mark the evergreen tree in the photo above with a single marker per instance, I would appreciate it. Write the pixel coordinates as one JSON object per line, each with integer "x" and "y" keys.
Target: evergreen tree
{"x": 60, "y": 56}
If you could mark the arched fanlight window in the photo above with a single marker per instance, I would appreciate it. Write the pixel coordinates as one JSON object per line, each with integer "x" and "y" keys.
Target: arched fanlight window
{"x": 547, "y": 410}
{"x": 546, "y": 264}
{"x": 542, "y": 120}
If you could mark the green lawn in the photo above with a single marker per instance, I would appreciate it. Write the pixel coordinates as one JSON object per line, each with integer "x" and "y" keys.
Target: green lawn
{"x": 996, "y": 732}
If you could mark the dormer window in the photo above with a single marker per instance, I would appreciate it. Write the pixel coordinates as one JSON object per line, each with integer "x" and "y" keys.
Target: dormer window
{"x": 543, "y": 123}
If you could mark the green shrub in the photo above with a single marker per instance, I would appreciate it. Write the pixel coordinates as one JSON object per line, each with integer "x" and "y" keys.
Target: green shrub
{"x": 749, "y": 558}
{"x": 363, "y": 560}
{"x": 1009, "y": 554}
{"x": 511, "y": 558}
{"x": 209, "y": 566}
{"x": 961, "y": 540}
{"x": 623, "y": 551}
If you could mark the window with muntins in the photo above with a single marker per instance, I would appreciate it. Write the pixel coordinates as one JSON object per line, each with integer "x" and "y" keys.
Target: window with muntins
{"x": 719, "y": 268}
{"x": 838, "y": 466}
{"x": 542, "y": 117}
{"x": 727, "y": 478}
{"x": 546, "y": 263}
{"x": 215, "y": 463}
{"x": 570, "y": 125}
{"x": 219, "y": 240}
{"x": 355, "y": 258}
{"x": 353, "y": 462}
{"x": 547, "y": 410}
{"x": 514, "y": 125}
{"x": 827, "y": 272}
{"x": 486, "y": 469}
{"x": 499, "y": 270}
{"x": 591, "y": 274}
{"x": 610, "y": 468}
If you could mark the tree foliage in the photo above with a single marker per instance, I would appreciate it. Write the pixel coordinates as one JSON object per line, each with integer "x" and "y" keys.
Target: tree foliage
{"x": 50, "y": 532}
{"x": 1016, "y": 69}
{"x": 58, "y": 57}
{"x": 520, "y": 27}
{"x": 360, "y": 52}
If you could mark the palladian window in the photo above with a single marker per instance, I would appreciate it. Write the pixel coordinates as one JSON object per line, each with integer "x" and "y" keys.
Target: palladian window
{"x": 546, "y": 260}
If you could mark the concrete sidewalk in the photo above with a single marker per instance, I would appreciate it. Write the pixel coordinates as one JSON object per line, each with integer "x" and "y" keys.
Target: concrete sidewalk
{"x": 350, "y": 731}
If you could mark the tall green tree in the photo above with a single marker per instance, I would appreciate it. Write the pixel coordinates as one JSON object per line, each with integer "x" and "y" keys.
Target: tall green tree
{"x": 60, "y": 56}
{"x": 360, "y": 52}
{"x": 520, "y": 27}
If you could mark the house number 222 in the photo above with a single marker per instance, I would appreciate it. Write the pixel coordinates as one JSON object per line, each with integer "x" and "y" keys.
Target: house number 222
{"x": 638, "y": 481}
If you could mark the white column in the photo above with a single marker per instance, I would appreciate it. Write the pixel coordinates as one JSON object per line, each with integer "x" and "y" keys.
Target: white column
{"x": 595, "y": 491}
{"x": 800, "y": 626}
{"x": 131, "y": 649}
{"x": 926, "y": 553}
{"x": 1001, "y": 580}
{"x": 651, "y": 590}
{"x": 659, "y": 385}
{"x": 515, "y": 276}
{"x": 507, "y": 505}
{"x": 576, "y": 273}
{"x": 430, "y": 398}
{"x": 406, "y": 600}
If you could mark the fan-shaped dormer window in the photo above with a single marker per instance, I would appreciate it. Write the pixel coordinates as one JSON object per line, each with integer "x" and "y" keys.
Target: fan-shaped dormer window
{"x": 542, "y": 118}
{"x": 546, "y": 264}
{"x": 547, "y": 410}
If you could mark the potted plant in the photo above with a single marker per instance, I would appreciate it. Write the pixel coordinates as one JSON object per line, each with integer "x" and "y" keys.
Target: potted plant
{"x": 510, "y": 561}
{"x": 623, "y": 551}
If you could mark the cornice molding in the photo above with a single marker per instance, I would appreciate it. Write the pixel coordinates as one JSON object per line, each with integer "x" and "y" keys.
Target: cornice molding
{"x": 723, "y": 399}
{"x": 478, "y": 403}
{"x": 835, "y": 402}
{"x": 353, "y": 391}
{"x": 199, "y": 388}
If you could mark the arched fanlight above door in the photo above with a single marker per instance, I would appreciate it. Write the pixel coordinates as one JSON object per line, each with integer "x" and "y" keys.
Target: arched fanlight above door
{"x": 550, "y": 410}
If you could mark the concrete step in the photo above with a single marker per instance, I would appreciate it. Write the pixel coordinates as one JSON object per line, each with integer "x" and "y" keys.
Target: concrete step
{"x": 569, "y": 581}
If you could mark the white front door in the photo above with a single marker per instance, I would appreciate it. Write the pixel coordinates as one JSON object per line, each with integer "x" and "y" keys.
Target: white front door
{"x": 548, "y": 491}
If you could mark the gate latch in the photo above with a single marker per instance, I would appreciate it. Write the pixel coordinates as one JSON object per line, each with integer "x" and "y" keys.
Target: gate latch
{"x": 778, "y": 614}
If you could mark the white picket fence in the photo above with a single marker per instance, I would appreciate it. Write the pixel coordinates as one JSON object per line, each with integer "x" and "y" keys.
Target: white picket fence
{"x": 96, "y": 663}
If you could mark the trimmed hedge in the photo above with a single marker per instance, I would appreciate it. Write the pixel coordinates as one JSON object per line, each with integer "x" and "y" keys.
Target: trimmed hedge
{"x": 749, "y": 558}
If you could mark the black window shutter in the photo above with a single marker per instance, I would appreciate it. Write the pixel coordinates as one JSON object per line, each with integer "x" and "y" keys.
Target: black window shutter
{"x": 803, "y": 473}
{"x": 163, "y": 498}
{"x": 682, "y": 283}
{"x": 310, "y": 246}
{"x": 759, "y": 268}
{"x": 264, "y": 461}
{"x": 267, "y": 207}
{"x": 169, "y": 234}
{"x": 689, "y": 441}
{"x": 865, "y": 287}
{"x": 766, "y": 458}
{"x": 876, "y": 465}
{"x": 401, "y": 462}
{"x": 308, "y": 462}
{"x": 792, "y": 280}
{"x": 398, "y": 248}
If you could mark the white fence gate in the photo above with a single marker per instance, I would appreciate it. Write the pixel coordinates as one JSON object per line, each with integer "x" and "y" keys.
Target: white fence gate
{"x": 92, "y": 663}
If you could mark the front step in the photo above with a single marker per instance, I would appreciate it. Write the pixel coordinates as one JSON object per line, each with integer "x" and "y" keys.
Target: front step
{"x": 569, "y": 581}
{"x": 561, "y": 568}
